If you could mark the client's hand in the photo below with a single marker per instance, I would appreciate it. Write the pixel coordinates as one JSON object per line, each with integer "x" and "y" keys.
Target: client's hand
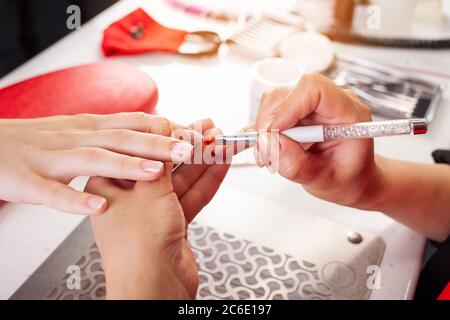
{"x": 142, "y": 236}
{"x": 338, "y": 171}
{"x": 39, "y": 157}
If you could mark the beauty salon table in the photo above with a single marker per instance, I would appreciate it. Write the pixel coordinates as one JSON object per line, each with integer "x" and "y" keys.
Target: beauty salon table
{"x": 219, "y": 88}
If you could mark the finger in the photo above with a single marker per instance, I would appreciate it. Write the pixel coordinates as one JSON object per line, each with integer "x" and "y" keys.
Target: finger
{"x": 64, "y": 198}
{"x": 222, "y": 154}
{"x": 313, "y": 93}
{"x": 212, "y": 132}
{"x": 268, "y": 149}
{"x": 133, "y": 143}
{"x": 204, "y": 153}
{"x": 160, "y": 187}
{"x": 257, "y": 156}
{"x": 362, "y": 112}
{"x": 203, "y": 190}
{"x": 256, "y": 151}
{"x": 186, "y": 175}
{"x": 190, "y": 136}
{"x": 137, "y": 121}
{"x": 101, "y": 162}
{"x": 105, "y": 187}
{"x": 351, "y": 94}
{"x": 143, "y": 122}
{"x": 210, "y": 150}
{"x": 168, "y": 168}
{"x": 124, "y": 184}
{"x": 294, "y": 163}
{"x": 202, "y": 125}
{"x": 270, "y": 102}
{"x": 140, "y": 121}
{"x": 212, "y": 153}
{"x": 177, "y": 126}
{"x": 249, "y": 128}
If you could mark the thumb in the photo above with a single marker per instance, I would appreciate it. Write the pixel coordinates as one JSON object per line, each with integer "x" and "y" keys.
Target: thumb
{"x": 314, "y": 94}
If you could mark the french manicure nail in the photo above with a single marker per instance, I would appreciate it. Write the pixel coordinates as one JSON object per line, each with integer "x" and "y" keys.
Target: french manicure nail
{"x": 181, "y": 152}
{"x": 96, "y": 203}
{"x": 274, "y": 153}
{"x": 151, "y": 166}
{"x": 257, "y": 156}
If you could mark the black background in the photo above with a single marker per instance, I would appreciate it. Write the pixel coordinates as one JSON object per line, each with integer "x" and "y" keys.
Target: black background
{"x": 29, "y": 26}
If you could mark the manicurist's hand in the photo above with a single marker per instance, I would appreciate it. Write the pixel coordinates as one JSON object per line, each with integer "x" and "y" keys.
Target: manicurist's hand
{"x": 142, "y": 236}
{"x": 347, "y": 172}
{"x": 39, "y": 157}
{"x": 338, "y": 171}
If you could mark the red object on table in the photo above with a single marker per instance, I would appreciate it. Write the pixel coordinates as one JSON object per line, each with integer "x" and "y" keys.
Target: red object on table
{"x": 102, "y": 88}
{"x": 445, "y": 295}
{"x": 138, "y": 33}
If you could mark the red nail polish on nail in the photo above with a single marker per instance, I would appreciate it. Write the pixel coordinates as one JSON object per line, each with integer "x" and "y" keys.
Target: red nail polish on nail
{"x": 208, "y": 141}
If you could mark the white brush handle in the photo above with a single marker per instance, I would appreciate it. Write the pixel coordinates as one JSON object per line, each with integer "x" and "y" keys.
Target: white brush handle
{"x": 326, "y": 132}
{"x": 306, "y": 134}
{"x": 359, "y": 130}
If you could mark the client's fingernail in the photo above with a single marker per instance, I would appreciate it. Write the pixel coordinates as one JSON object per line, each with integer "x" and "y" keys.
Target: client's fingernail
{"x": 151, "y": 166}
{"x": 268, "y": 122}
{"x": 274, "y": 157}
{"x": 181, "y": 152}
{"x": 96, "y": 203}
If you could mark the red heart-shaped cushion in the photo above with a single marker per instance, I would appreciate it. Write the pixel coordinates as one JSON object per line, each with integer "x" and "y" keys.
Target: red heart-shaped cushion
{"x": 102, "y": 88}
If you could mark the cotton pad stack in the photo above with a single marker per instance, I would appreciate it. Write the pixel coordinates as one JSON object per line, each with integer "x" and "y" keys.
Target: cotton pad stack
{"x": 310, "y": 50}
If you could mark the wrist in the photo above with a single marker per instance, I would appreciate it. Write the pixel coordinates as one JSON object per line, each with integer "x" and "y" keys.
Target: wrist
{"x": 375, "y": 190}
{"x": 139, "y": 286}
{"x": 143, "y": 275}
{"x": 134, "y": 278}
{"x": 131, "y": 271}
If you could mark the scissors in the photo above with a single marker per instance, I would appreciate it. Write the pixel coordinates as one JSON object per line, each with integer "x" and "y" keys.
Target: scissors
{"x": 197, "y": 43}
{"x": 200, "y": 43}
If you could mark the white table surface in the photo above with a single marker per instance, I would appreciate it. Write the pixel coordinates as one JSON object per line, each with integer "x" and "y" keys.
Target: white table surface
{"x": 29, "y": 234}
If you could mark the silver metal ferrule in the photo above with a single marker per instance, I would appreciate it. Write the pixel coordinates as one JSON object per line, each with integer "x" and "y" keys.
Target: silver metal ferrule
{"x": 247, "y": 138}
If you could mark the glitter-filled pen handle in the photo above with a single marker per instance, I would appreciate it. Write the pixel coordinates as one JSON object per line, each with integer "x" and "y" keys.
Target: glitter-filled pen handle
{"x": 321, "y": 133}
